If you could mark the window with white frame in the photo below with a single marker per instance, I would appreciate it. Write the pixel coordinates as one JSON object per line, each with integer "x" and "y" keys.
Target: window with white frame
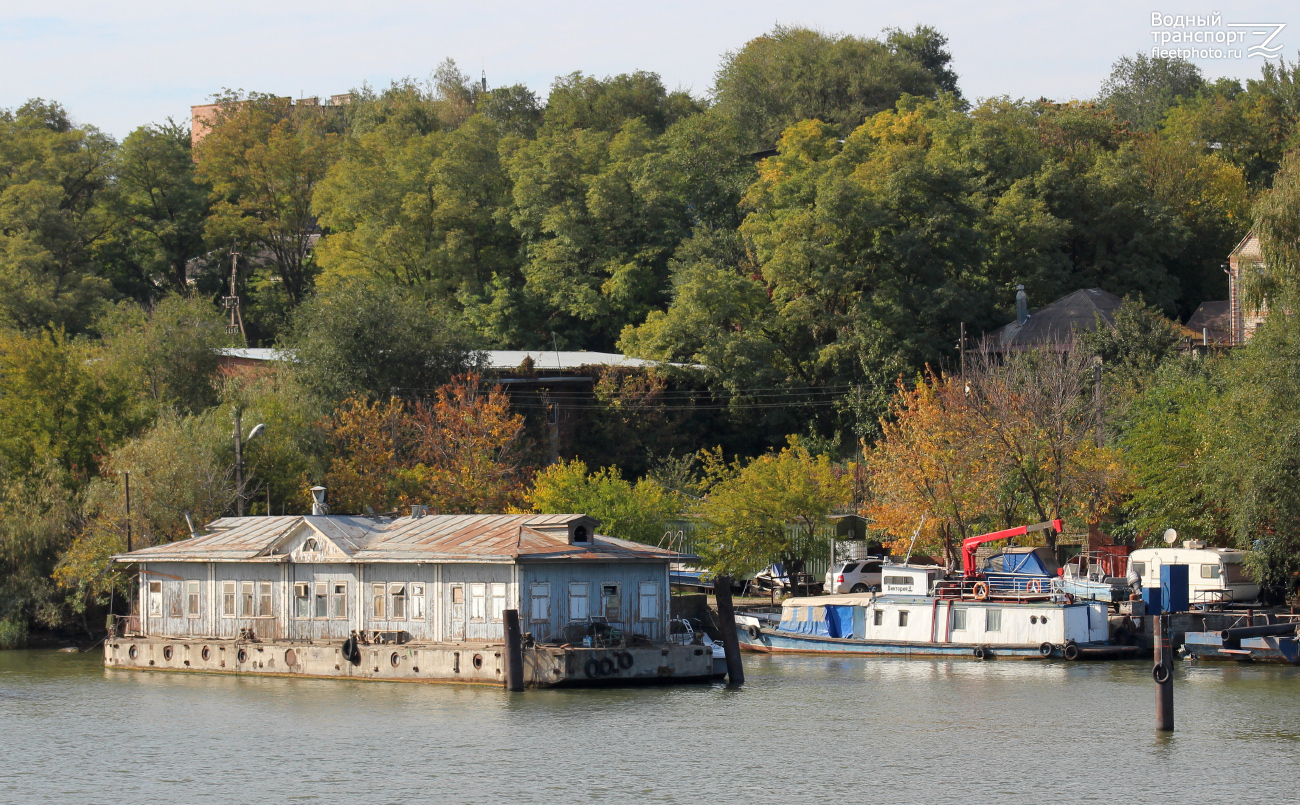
{"x": 247, "y": 599}
{"x": 321, "y": 605}
{"x": 398, "y": 593}
{"x": 264, "y": 599}
{"x": 959, "y": 620}
{"x": 417, "y": 602}
{"x": 648, "y": 601}
{"x": 540, "y": 601}
{"x": 340, "y": 599}
{"x": 992, "y": 620}
{"x": 192, "y": 598}
{"x": 301, "y": 599}
{"x": 228, "y": 595}
{"x": 579, "y": 599}
{"x": 477, "y": 603}
{"x": 155, "y": 599}
{"x": 497, "y": 592}
{"x": 379, "y": 600}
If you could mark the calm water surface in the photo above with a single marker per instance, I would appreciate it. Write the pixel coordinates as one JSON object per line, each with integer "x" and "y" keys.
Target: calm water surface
{"x": 803, "y": 729}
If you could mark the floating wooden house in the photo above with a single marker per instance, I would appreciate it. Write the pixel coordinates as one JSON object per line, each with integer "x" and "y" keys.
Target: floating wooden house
{"x": 420, "y": 597}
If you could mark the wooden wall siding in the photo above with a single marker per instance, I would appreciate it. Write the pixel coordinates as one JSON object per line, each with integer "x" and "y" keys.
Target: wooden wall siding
{"x": 443, "y": 621}
{"x": 330, "y": 627}
{"x": 457, "y": 620}
{"x": 627, "y": 575}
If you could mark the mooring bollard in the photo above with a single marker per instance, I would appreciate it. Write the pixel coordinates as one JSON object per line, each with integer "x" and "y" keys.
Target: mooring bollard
{"x": 514, "y": 652}
{"x": 727, "y": 622}
{"x": 1163, "y": 673}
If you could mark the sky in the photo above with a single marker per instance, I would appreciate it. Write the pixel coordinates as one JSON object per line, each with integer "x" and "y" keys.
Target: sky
{"x": 124, "y": 64}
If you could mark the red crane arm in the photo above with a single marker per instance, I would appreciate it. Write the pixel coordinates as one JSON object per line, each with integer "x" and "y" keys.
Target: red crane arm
{"x": 969, "y": 544}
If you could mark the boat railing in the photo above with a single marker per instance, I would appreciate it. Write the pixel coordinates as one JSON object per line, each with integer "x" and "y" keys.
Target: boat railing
{"x": 123, "y": 625}
{"x": 1019, "y": 589}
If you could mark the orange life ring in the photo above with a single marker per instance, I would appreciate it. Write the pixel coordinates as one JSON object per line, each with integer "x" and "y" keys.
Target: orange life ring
{"x": 981, "y": 591}
{"x": 1035, "y": 586}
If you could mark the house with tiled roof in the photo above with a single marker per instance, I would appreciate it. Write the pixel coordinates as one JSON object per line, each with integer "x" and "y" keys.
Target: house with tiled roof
{"x": 1056, "y": 325}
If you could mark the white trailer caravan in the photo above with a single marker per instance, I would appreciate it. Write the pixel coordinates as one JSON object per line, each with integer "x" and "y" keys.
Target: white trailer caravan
{"x": 1214, "y": 575}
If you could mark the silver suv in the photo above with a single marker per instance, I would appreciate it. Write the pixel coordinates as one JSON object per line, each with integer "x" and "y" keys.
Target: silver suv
{"x": 854, "y": 576}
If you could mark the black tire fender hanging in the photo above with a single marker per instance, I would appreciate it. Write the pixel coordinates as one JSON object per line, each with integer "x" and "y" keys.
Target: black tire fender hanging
{"x": 979, "y": 653}
{"x": 606, "y": 666}
{"x": 1071, "y": 651}
{"x": 754, "y": 632}
{"x": 591, "y": 668}
{"x": 1161, "y": 673}
{"x": 350, "y": 651}
{"x": 1046, "y": 649}
{"x": 625, "y": 660}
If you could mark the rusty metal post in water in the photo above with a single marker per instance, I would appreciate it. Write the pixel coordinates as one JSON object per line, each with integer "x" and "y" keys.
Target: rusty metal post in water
{"x": 1163, "y": 672}
{"x": 727, "y": 623}
{"x": 514, "y": 652}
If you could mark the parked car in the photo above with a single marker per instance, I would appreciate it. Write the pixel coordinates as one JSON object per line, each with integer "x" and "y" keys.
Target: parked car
{"x": 775, "y": 579}
{"x": 854, "y": 576}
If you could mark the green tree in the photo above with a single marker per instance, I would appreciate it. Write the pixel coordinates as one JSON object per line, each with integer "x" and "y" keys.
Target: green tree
{"x": 54, "y": 184}
{"x": 928, "y": 48}
{"x": 746, "y": 513}
{"x": 1143, "y": 89}
{"x": 263, "y": 159}
{"x": 161, "y": 207}
{"x": 418, "y": 209}
{"x": 639, "y": 512}
{"x": 580, "y": 101}
{"x": 793, "y": 74}
{"x": 369, "y": 337}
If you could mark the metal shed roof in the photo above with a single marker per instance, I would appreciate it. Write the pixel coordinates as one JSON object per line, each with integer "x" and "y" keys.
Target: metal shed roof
{"x": 430, "y": 538}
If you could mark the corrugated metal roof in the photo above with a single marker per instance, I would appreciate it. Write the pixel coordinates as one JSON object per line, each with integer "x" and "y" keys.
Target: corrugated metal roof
{"x": 431, "y": 538}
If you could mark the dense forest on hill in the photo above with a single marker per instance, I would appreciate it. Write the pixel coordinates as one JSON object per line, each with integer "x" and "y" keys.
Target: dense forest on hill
{"x": 814, "y": 228}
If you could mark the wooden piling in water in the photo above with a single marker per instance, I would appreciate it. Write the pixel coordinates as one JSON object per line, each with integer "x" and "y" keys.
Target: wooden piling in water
{"x": 727, "y": 623}
{"x": 514, "y": 652}
{"x": 1163, "y": 673}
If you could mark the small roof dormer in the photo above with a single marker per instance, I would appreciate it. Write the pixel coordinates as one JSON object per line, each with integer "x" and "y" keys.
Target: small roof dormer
{"x": 576, "y": 529}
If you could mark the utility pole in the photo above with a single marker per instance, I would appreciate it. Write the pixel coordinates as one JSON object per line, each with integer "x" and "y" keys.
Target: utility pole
{"x": 126, "y": 483}
{"x": 236, "y": 324}
{"x": 961, "y": 347}
{"x": 1096, "y": 397}
{"x": 239, "y": 464}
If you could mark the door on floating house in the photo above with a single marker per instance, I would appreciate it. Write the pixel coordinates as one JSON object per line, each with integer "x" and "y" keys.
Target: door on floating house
{"x": 457, "y": 612}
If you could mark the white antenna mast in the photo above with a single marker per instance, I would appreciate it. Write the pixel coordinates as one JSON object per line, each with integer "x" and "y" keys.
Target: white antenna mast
{"x": 915, "y": 534}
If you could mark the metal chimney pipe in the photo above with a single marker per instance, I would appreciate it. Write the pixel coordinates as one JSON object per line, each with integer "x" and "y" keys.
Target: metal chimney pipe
{"x": 318, "y": 507}
{"x": 1022, "y": 305}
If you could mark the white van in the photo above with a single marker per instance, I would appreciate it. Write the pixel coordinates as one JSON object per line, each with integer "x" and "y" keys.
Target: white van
{"x": 1214, "y": 575}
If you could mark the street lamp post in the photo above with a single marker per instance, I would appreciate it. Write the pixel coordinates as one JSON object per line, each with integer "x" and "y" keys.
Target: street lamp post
{"x": 240, "y": 441}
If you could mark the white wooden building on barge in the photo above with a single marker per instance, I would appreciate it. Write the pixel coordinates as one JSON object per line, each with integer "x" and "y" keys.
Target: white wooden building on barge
{"x": 415, "y": 598}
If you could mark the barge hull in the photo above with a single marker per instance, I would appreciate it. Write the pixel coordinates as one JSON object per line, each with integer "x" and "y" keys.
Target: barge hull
{"x": 1210, "y": 646}
{"x": 776, "y": 642}
{"x": 463, "y": 663}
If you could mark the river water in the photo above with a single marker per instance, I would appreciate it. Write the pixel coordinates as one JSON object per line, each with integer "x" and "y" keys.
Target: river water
{"x": 802, "y": 729}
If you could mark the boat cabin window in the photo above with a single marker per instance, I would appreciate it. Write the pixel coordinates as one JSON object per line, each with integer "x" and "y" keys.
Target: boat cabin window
{"x": 1139, "y": 568}
{"x": 611, "y": 602}
{"x": 227, "y": 599}
{"x": 264, "y": 599}
{"x": 477, "y": 603}
{"x": 898, "y": 581}
{"x": 417, "y": 602}
{"x": 379, "y": 599}
{"x": 1210, "y": 571}
{"x": 321, "y": 609}
{"x": 578, "y": 597}
{"x": 341, "y": 600}
{"x": 648, "y": 597}
{"x": 959, "y": 620}
{"x": 247, "y": 600}
{"x": 398, "y": 592}
{"x": 879, "y": 618}
{"x": 992, "y": 620}
{"x": 302, "y": 600}
{"x": 497, "y": 592}
{"x": 541, "y": 602}
{"x": 191, "y": 599}
{"x": 155, "y": 598}
{"x": 902, "y": 617}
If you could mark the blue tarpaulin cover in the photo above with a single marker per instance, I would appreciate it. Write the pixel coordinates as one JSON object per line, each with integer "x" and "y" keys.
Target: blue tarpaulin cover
{"x": 839, "y": 621}
{"x": 813, "y": 621}
{"x": 1023, "y": 563}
